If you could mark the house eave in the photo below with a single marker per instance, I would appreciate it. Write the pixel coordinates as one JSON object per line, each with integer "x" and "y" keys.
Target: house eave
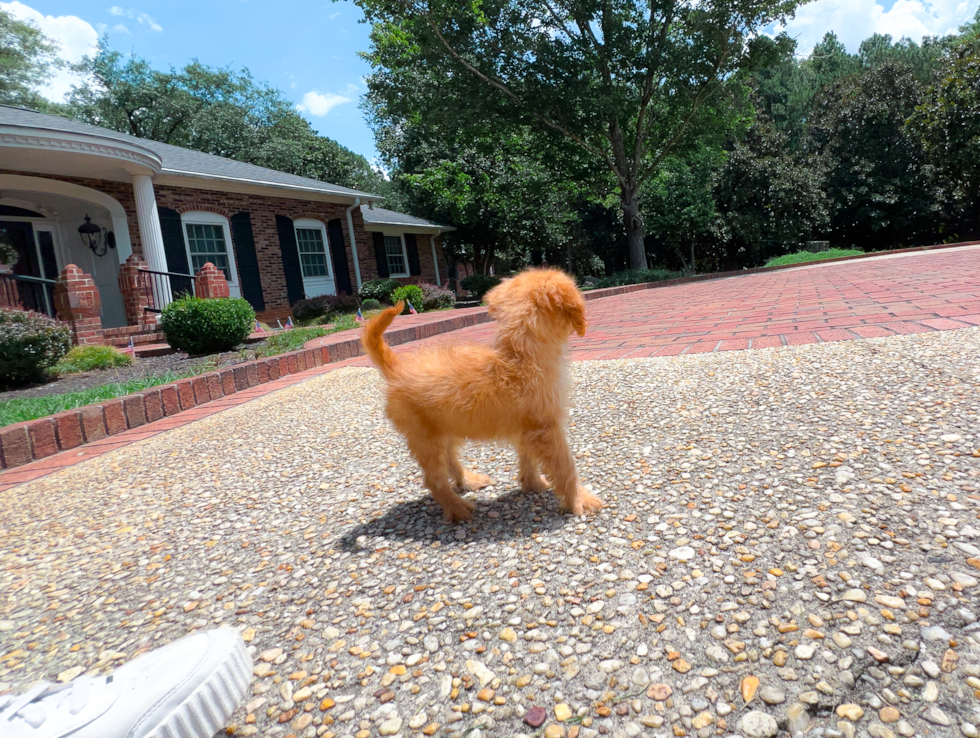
{"x": 200, "y": 181}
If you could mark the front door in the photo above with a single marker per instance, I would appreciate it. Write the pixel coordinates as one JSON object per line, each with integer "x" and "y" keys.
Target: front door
{"x": 314, "y": 259}
{"x": 34, "y": 260}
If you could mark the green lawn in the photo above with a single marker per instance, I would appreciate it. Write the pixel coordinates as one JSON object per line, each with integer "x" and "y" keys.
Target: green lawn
{"x": 802, "y": 257}
{"x": 29, "y": 408}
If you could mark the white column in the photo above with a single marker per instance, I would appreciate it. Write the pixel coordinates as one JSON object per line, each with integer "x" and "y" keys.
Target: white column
{"x": 151, "y": 236}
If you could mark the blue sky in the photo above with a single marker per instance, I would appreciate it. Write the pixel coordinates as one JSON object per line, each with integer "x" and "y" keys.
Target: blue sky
{"x": 308, "y": 48}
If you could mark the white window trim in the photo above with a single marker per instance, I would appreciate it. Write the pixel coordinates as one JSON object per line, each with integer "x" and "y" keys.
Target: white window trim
{"x": 204, "y": 217}
{"x": 310, "y": 223}
{"x": 404, "y": 257}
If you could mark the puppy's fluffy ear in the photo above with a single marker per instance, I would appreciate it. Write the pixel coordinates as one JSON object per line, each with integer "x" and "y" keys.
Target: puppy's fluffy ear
{"x": 570, "y": 302}
{"x": 494, "y": 297}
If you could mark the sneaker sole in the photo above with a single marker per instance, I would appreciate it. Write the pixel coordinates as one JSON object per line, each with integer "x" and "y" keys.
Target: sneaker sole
{"x": 206, "y": 711}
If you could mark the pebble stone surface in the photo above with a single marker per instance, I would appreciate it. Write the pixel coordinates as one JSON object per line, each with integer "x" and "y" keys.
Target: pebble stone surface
{"x": 791, "y": 544}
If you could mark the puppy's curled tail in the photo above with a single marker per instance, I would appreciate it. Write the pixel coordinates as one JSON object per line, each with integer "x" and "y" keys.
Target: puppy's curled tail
{"x": 374, "y": 341}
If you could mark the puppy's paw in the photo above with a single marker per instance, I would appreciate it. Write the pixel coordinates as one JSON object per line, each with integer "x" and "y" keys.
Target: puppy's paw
{"x": 458, "y": 510}
{"x": 472, "y": 481}
{"x": 535, "y": 483}
{"x": 585, "y": 503}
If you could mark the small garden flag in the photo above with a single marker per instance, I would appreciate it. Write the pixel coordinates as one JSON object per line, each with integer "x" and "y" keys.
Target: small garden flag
{"x": 411, "y": 310}
{"x": 130, "y": 349}
{"x": 289, "y": 322}
{"x": 258, "y": 327}
{"x": 359, "y": 318}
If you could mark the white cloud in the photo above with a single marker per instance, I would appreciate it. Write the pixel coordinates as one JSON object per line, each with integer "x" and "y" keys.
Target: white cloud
{"x": 319, "y": 104}
{"x": 334, "y": 15}
{"x": 75, "y": 39}
{"x": 855, "y": 20}
{"x": 140, "y": 17}
{"x": 120, "y": 28}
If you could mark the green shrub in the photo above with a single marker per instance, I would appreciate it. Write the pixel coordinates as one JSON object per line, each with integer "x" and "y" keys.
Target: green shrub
{"x": 411, "y": 293}
{"x": 323, "y": 306}
{"x": 378, "y": 289}
{"x": 635, "y": 276}
{"x": 436, "y": 298}
{"x": 202, "y": 326}
{"x": 479, "y": 284}
{"x": 30, "y": 343}
{"x": 370, "y": 304}
{"x": 803, "y": 257}
{"x": 87, "y": 358}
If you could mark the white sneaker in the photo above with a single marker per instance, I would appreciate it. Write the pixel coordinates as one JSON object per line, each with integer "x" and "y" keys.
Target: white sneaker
{"x": 187, "y": 689}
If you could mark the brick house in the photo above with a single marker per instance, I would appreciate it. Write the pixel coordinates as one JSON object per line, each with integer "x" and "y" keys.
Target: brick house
{"x": 168, "y": 210}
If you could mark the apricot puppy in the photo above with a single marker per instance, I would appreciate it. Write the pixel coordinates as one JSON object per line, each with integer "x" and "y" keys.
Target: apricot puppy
{"x": 516, "y": 390}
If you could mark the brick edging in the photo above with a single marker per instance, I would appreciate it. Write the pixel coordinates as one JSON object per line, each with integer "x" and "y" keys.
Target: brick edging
{"x": 37, "y": 439}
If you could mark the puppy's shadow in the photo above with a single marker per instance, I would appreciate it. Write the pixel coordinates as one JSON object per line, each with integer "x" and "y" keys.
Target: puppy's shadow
{"x": 518, "y": 515}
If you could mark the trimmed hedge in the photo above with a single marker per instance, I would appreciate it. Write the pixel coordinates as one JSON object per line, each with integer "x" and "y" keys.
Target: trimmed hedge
{"x": 634, "y": 276}
{"x": 411, "y": 293}
{"x": 379, "y": 289}
{"x": 30, "y": 343}
{"x": 206, "y": 326}
{"x": 319, "y": 307}
{"x": 436, "y": 298}
{"x": 370, "y": 304}
{"x": 479, "y": 284}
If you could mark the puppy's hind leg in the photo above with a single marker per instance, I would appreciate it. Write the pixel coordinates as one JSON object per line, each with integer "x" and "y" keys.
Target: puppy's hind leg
{"x": 548, "y": 444}
{"x": 463, "y": 479}
{"x": 528, "y": 477}
{"x": 431, "y": 455}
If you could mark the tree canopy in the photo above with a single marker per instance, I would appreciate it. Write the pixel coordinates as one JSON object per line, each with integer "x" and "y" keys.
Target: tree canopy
{"x": 27, "y": 60}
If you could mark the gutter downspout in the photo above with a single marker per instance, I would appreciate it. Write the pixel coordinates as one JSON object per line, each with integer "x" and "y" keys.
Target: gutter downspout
{"x": 435, "y": 260}
{"x": 353, "y": 243}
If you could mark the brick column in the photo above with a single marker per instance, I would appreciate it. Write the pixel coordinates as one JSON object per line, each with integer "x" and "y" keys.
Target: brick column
{"x": 9, "y": 294}
{"x": 77, "y": 300}
{"x": 211, "y": 282}
{"x": 135, "y": 298}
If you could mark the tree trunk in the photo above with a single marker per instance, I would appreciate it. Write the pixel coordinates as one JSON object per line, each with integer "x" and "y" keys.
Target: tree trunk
{"x": 630, "y": 204}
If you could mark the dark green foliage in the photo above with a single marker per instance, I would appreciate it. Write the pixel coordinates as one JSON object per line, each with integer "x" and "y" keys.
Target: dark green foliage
{"x": 436, "y": 298}
{"x": 410, "y": 293}
{"x": 370, "y": 304}
{"x": 89, "y": 358}
{"x": 379, "y": 289}
{"x": 323, "y": 306}
{"x": 30, "y": 343}
{"x": 207, "y": 326}
{"x": 27, "y": 59}
{"x": 221, "y": 111}
{"x": 635, "y": 276}
{"x": 479, "y": 284}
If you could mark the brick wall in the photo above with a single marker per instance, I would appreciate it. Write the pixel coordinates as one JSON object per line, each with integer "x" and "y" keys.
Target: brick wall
{"x": 263, "y": 214}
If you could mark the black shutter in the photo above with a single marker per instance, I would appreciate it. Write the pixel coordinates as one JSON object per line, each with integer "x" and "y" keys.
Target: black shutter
{"x": 175, "y": 250}
{"x": 414, "y": 268}
{"x": 247, "y": 261}
{"x": 338, "y": 252}
{"x": 380, "y": 255}
{"x": 290, "y": 260}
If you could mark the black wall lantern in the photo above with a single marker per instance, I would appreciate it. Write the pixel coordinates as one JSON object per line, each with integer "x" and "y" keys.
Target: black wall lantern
{"x": 100, "y": 240}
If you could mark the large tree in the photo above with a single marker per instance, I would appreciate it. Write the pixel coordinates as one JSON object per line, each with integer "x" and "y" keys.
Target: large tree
{"x": 27, "y": 60}
{"x": 622, "y": 81}
{"x": 221, "y": 111}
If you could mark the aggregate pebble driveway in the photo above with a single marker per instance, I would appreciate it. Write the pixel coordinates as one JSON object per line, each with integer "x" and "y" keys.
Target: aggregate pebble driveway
{"x": 796, "y": 527}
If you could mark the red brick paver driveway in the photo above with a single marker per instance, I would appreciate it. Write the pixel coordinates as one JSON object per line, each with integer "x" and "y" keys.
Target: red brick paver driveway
{"x": 868, "y": 298}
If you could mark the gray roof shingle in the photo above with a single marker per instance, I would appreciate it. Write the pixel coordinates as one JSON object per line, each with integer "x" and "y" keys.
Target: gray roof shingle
{"x": 178, "y": 160}
{"x": 380, "y": 216}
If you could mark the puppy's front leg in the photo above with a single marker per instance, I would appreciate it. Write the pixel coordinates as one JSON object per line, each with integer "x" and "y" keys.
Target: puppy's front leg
{"x": 431, "y": 455}
{"x": 548, "y": 444}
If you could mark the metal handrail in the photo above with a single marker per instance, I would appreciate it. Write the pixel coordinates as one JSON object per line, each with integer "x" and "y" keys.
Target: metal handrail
{"x": 158, "y": 288}
{"x": 34, "y": 293}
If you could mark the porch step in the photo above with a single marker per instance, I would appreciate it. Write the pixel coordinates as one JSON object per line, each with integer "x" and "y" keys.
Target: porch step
{"x": 129, "y": 330}
{"x": 138, "y": 339}
{"x": 153, "y": 349}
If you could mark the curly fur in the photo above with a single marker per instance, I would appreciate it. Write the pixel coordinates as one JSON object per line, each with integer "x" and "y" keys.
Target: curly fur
{"x": 516, "y": 391}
